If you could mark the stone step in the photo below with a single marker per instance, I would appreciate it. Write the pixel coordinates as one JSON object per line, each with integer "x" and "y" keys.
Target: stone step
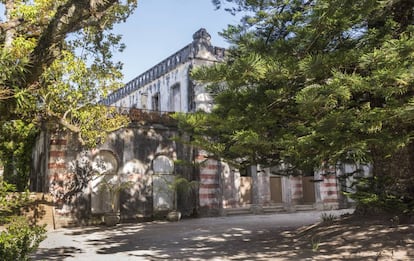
{"x": 64, "y": 221}
{"x": 304, "y": 207}
{"x": 273, "y": 208}
{"x": 40, "y": 211}
{"x": 238, "y": 211}
{"x": 47, "y": 217}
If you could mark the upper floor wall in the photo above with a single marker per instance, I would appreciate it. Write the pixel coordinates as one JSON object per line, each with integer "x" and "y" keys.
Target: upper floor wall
{"x": 168, "y": 86}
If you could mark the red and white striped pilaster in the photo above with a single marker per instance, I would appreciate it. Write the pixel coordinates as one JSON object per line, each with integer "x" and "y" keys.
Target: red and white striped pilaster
{"x": 329, "y": 189}
{"x": 297, "y": 188}
{"x": 209, "y": 182}
{"x": 57, "y": 168}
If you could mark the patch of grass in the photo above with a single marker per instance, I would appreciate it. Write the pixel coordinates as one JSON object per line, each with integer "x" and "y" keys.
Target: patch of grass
{"x": 328, "y": 218}
{"x": 395, "y": 221}
{"x": 315, "y": 243}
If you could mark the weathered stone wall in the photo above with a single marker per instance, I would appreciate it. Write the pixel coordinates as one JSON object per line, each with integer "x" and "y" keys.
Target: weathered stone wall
{"x": 230, "y": 186}
{"x": 139, "y": 152}
{"x": 134, "y": 150}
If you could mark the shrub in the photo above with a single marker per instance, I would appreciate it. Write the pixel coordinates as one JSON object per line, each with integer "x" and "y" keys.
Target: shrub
{"x": 11, "y": 202}
{"x": 20, "y": 239}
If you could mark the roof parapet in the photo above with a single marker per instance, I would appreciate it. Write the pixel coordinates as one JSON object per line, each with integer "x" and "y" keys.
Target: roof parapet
{"x": 200, "y": 48}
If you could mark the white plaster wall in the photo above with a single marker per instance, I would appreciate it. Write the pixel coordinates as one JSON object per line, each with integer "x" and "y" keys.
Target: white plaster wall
{"x": 203, "y": 100}
{"x": 171, "y": 71}
{"x": 162, "y": 85}
{"x": 349, "y": 182}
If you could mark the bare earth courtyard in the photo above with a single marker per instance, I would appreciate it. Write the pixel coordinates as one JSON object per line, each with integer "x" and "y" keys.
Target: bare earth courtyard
{"x": 287, "y": 236}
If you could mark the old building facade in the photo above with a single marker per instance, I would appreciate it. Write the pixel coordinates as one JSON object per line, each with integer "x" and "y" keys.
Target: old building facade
{"x": 167, "y": 86}
{"x": 148, "y": 156}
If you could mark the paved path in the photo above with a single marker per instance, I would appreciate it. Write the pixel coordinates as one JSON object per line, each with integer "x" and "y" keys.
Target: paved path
{"x": 248, "y": 237}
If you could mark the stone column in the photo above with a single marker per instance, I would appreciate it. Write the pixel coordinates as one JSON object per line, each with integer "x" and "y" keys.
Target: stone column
{"x": 330, "y": 192}
{"x": 264, "y": 185}
{"x": 229, "y": 186}
{"x": 297, "y": 189}
{"x": 326, "y": 190}
{"x": 318, "y": 196}
{"x": 260, "y": 188}
{"x": 208, "y": 185}
{"x": 255, "y": 187}
{"x": 286, "y": 193}
{"x": 57, "y": 166}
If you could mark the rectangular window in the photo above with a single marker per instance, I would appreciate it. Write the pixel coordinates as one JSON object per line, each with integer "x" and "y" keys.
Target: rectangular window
{"x": 144, "y": 99}
{"x": 191, "y": 96}
{"x": 175, "y": 102}
{"x": 156, "y": 102}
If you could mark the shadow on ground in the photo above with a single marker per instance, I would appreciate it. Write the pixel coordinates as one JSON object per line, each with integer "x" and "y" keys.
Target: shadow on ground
{"x": 350, "y": 238}
{"x": 57, "y": 253}
{"x": 358, "y": 238}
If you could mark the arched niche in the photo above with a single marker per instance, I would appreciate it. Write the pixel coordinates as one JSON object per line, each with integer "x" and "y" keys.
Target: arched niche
{"x": 163, "y": 196}
{"x": 163, "y": 165}
{"x": 105, "y": 165}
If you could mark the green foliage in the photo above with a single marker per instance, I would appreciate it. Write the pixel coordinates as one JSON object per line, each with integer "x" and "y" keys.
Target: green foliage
{"x": 182, "y": 185}
{"x": 11, "y": 202}
{"x": 315, "y": 243}
{"x": 178, "y": 187}
{"x": 328, "y": 218}
{"x": 17, "y": 139}
{"x": 114, "y": 186}
{"x": 379, "y": 194}
{"x": 181, "y": 188}
{"x": 311, "y": 82}
{"x": 106, "y": 120}
{"x": 56, "y": 63}
{"x": 20, "y": 239}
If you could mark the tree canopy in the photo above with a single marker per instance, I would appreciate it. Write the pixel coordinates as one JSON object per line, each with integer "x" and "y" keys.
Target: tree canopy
{"x": 312, "y": 82}
{"x": 56, "y": 60}
{"x": 56, "y": 63}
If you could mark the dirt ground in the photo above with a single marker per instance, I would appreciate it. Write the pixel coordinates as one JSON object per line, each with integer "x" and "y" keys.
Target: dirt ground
{"x": 354, "y": 238}
{"x": 288, "y": 236}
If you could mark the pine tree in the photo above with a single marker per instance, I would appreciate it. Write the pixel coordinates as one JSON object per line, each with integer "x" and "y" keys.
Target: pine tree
{"x": 316, "y": 82}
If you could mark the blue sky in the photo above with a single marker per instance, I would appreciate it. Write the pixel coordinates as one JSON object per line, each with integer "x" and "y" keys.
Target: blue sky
{"x": 158, "y": 28}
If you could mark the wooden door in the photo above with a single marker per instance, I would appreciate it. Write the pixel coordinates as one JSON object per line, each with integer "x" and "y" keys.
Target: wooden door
{"x": 308, "y": 189}
{"x": 276, "y": 189}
